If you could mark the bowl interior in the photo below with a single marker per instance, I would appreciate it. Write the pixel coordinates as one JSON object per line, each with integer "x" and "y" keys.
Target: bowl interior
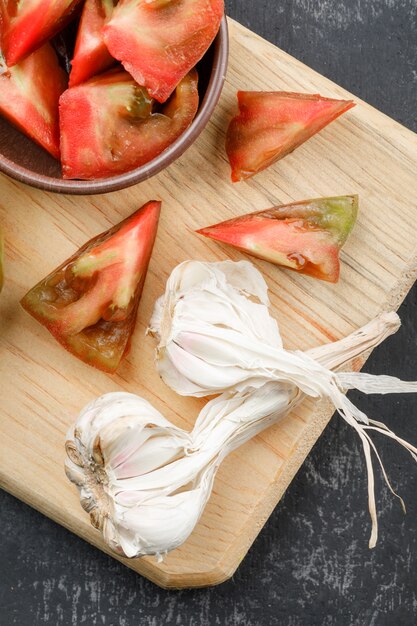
{"x": 24, "y": 160}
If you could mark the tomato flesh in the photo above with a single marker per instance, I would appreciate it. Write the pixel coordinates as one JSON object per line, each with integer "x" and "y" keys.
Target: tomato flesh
{"x": 110, "y": 125}
{"x": 91, "y": 55}
{"x": 270, "y": 125}
{"x": 160, "y": 41}
{"x": 31, "y": 23}
{"x": 90, "y": 302}
{"x": 29, "y": 96}
{"x": 304, "y": 236}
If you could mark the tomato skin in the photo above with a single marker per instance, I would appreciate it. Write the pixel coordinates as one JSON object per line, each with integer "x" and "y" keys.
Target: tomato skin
{"x": 29, "y": 96}
{"x": 91, "y": 55}
{"x": 158, "y": 42}
{"x": 271, "y": 125}
{"x": 89, "y": 303}
{"x": 101, "y": 132}
{"x": 33, "y": 22}
{"x": 303, "y": 236}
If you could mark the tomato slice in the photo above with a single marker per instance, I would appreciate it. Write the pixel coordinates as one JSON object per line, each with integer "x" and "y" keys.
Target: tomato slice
{"x": 159, "y": 41}
{"x": 303, "y": 236}
{"x": 29, "y": 96}
{"x": 110, "y": 124}
{"x": 270, "y": 125}
{"x": 31, "y": 23}
{"x": 90, "y": 302}
{"x": 91, "y": 55}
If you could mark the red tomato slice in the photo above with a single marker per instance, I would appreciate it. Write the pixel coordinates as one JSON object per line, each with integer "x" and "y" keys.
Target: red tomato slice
{"x": 29, "y": 96}
{"x": 303, "y": 236}
{"x": 91, "y": 55}
{"x": 270, "y": 125}
{"x": 31, "y": 23}
{"x": 110, "y": 125}
{"x": 90, "y": 302}
{"x": 159, "y": 41}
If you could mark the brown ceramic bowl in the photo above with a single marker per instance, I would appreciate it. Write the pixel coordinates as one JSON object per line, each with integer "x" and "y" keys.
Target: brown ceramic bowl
{"x": 25, "y": 161}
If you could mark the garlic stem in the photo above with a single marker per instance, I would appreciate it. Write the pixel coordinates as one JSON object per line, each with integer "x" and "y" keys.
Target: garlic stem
{"x": 340, "y": 352}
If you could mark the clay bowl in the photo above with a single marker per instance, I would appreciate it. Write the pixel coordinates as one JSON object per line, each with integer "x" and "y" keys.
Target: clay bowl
{"x": 23, "y": 160}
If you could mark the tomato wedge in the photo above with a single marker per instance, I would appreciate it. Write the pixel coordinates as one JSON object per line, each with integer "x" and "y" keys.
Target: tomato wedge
{"x": 29, "y": 96}
{"x": 91, "y": 56}
{"x": 303, "y": 236}
{"x": 159, "y": 41}
{"x": 90, "y": 302}
{"x": 110, "y": 124}
{"x": 31, "y": 23}
{"x": 270, "y": 125}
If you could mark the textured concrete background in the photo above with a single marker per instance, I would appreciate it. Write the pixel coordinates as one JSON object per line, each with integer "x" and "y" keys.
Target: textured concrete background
{"x": 310, "y": 565}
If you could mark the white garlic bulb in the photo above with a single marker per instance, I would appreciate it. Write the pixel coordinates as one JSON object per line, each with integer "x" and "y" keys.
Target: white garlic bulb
{"x": 214, "y": 328}
{"x": 144, "y": 481}
{"x": 117, "y": 454}
{"x": 214, "y": 338}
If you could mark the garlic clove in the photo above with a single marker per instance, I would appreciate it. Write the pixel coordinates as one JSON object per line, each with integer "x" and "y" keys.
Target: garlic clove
{"x": 161, "y": 524}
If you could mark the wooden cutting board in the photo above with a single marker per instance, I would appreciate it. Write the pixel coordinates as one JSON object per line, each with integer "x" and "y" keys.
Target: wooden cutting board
{"x": 42, "y": 388}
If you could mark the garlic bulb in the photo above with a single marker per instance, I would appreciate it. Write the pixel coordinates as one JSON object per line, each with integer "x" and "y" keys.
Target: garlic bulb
{"x": 214, "y": 328}
{"x": 213, "y": 338}
{"x": 116, "y": 452}
{"x": 144, "y": 481}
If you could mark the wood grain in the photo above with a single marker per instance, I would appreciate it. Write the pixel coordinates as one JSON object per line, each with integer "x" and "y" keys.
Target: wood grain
{"x": 43, "y": 388}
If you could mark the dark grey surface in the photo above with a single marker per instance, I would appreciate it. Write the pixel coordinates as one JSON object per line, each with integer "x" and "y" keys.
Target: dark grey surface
{"x": 310, "y": 565}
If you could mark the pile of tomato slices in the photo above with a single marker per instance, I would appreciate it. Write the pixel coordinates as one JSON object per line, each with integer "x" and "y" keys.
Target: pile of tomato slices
{"x": 104, "y": 85}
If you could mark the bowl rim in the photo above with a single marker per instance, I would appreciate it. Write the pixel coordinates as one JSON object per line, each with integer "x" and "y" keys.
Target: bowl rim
{"x": 160, "y": 162}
